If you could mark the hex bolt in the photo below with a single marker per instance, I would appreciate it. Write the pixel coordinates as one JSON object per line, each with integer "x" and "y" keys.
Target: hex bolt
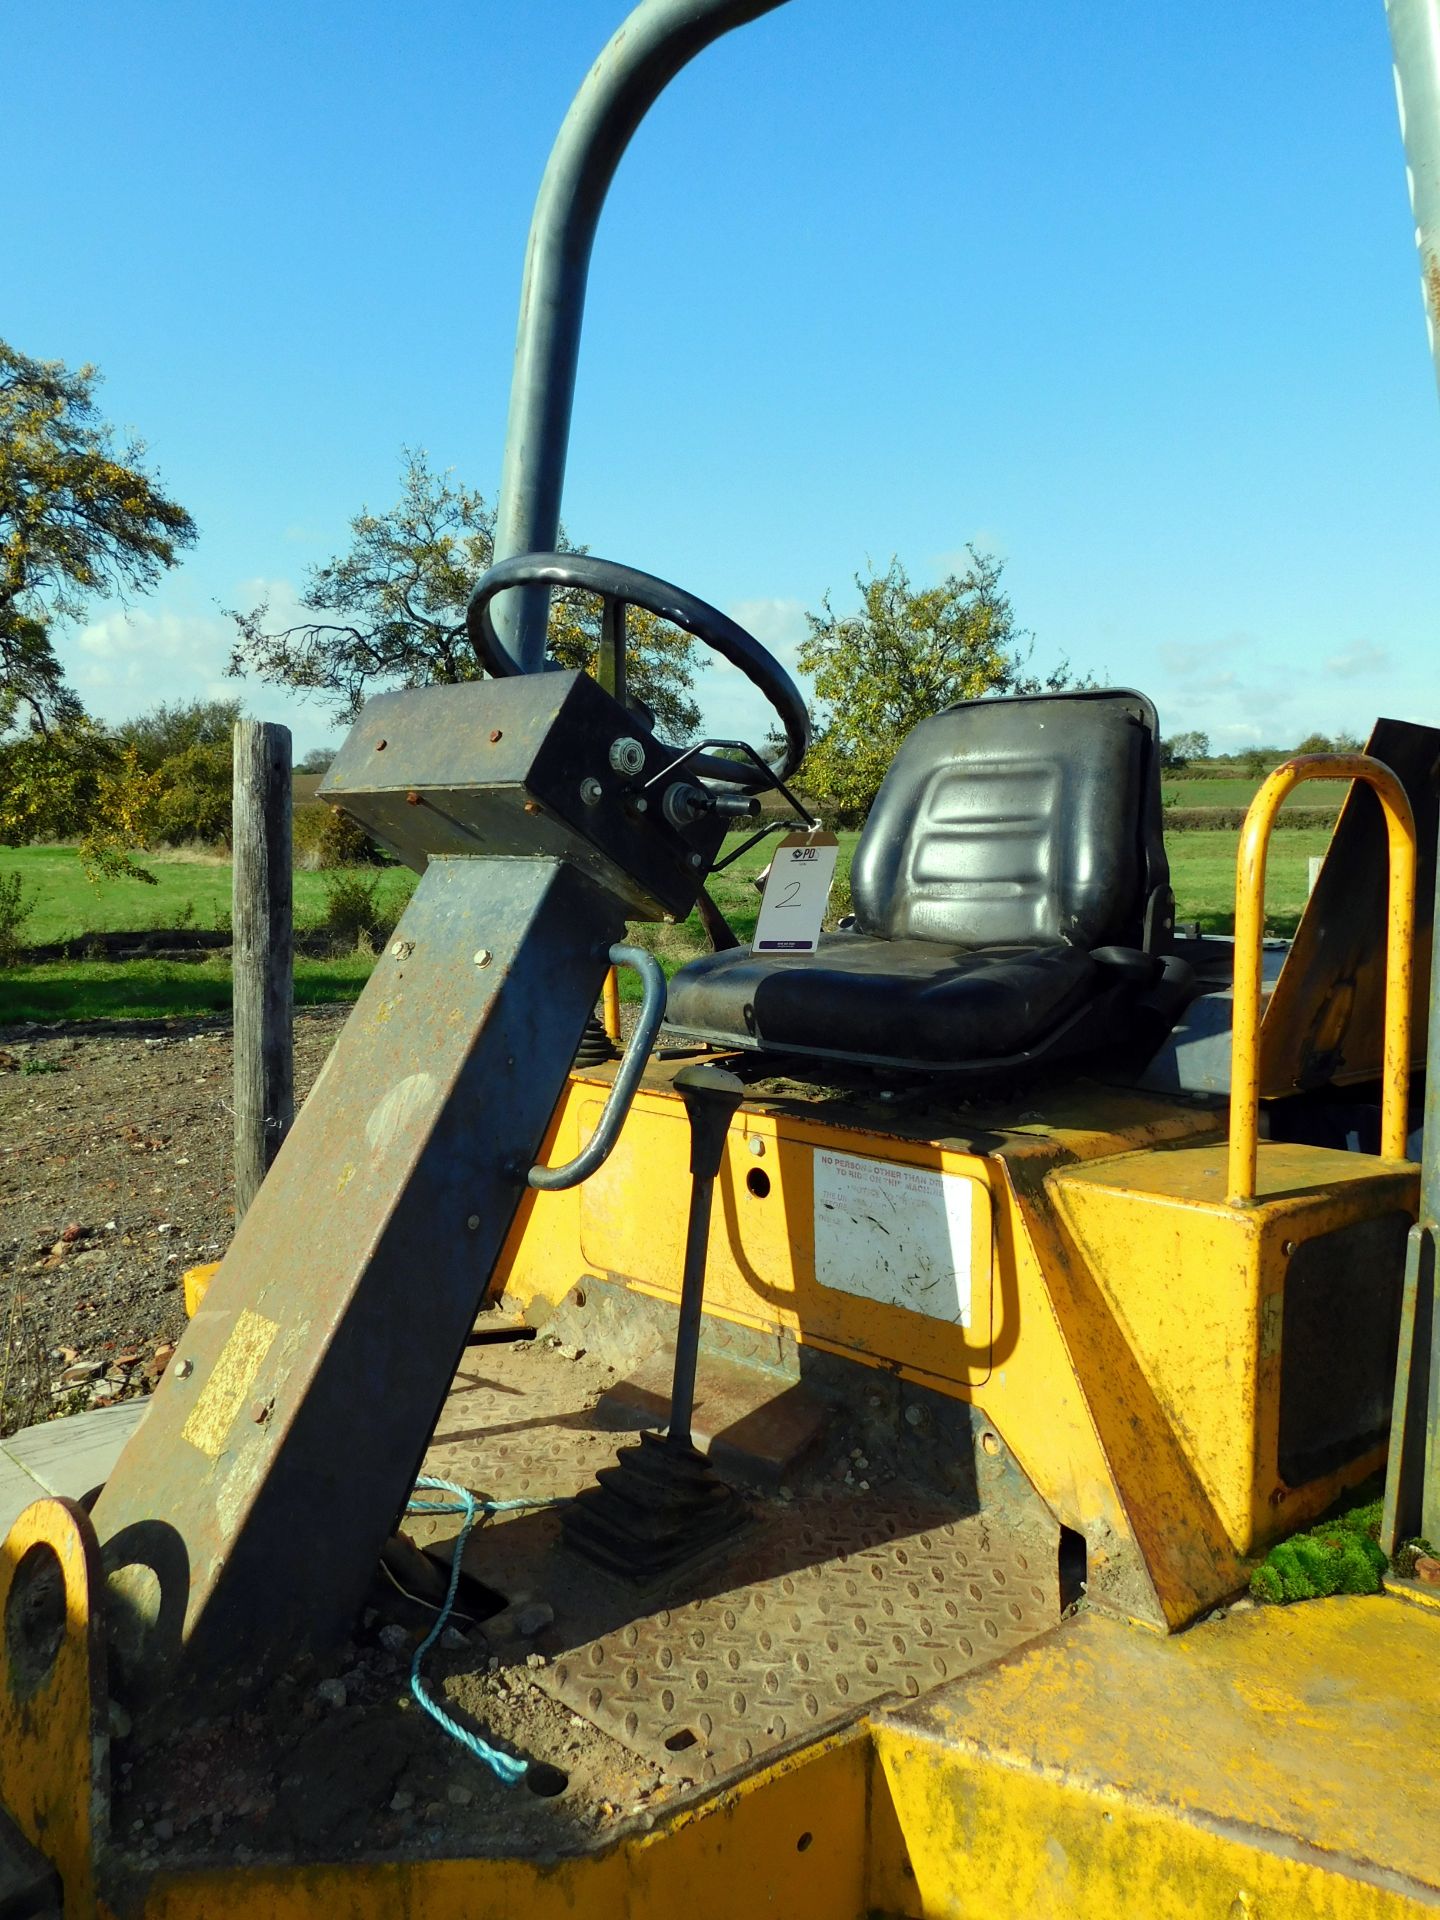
{"x": 412, "y": 799}
{"x": 483, "y": 957}
{"x": 184, "y": 1369}
{"x": 627, "y": 755}
{"x": 473, "y": 1223}
{"x": 496, "y": 736}
{"x": 591, "y": 791}
{"x": 380, "y": 745}
{"x": 756, "y": 1146}
{"x": 695, "y": 860}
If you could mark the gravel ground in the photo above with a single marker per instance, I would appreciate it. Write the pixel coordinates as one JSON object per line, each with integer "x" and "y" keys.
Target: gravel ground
{"x": 115, "y": 1176}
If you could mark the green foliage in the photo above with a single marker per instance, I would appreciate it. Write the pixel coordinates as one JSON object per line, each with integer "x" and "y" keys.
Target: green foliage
{"x": 175, "y": 728}
{"x": 17, "y": 903}
{"x": 78, "y": 517}
{"x": 390, "y": 611}
{"x": 908, "y": 652}
{"x": 187, "y": 745}
{"x": 75, "y": 782}
{"x": 1343, "y": 1555}
{"x": 1408, "y": 1552}
{"x": 1181, "y": 748}
{"x": 317, "y": 760}
{"x": 352, "y": 914}
{"x": 343, "y": 842}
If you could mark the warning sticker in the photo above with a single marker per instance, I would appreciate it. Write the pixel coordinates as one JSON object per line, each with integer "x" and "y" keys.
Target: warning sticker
{"x": 229, "y": 1385}
{"x": 902, "y": 1235}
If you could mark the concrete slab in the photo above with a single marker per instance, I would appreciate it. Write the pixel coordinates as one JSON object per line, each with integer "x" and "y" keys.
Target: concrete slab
{"x": 18, "y": 1487}
{"x": 69, "y": 1457}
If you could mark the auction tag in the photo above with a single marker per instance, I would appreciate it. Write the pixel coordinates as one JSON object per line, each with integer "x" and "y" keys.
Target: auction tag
{"x": 796, "y": 893}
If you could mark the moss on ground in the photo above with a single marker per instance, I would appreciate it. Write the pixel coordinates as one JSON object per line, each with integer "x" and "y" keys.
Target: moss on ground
{"x": 1341, "y": 1555}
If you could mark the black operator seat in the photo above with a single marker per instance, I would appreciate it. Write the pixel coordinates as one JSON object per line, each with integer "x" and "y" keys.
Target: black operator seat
{"x": 1011, "y": 904}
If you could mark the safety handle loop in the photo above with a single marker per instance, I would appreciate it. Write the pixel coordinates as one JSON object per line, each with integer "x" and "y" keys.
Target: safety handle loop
{"x": 596, "y": 1151}
{"x": 1249, "y": 935}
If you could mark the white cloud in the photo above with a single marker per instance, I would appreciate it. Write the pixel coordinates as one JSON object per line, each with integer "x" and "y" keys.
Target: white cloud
{"x": 1361, "y": 658}
{"x": 732, "y": 708}
{"x": 127, "y": 660}
{"x": 778, "y": 624}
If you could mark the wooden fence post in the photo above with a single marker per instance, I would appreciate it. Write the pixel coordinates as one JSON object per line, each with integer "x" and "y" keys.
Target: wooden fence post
{"x": 263, "y": 952}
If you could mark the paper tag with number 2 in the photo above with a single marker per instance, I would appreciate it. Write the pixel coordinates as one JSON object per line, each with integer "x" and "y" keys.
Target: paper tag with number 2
{"x": 796, "y": 894}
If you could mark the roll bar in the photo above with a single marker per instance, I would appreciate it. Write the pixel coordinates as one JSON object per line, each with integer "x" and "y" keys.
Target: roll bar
{"x": 1249, "y": 935}
{"x": 645, "y": 53}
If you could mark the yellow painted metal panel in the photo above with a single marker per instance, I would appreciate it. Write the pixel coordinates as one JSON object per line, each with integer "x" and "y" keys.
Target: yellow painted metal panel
{"x": 763, "y": 1269}
{"x": 1276, "y": 1764}
{"x": 196, "y": 1281}
{"x": 1196, "y": 1287}
{"x": 54, "y": 1743}
{"x": 790, "y": 1841}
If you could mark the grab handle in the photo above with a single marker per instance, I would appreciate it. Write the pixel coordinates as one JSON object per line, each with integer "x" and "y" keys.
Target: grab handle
{"x": 596, "y": 1151}
{"x": 1249, "y": 933}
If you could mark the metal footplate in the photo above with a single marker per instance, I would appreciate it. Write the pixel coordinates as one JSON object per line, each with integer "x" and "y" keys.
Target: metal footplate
{"x": 832, "y": 1598}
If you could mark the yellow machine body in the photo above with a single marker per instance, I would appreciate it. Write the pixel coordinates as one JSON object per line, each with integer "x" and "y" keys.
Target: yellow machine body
{"x": 1270, "y": 1765}
{"x": 1124, "y": 1324}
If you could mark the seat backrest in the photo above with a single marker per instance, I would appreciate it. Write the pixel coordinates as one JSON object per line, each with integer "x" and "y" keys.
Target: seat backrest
{"x": 1029, "y": 821}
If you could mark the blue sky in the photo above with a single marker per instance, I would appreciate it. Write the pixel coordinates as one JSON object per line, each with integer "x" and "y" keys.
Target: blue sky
{"x": 1127, "y": 296}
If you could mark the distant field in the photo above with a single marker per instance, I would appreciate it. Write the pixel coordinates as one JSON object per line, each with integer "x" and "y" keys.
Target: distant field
{"x": 1178, "y": 791}
{"x": 191, "y": 892}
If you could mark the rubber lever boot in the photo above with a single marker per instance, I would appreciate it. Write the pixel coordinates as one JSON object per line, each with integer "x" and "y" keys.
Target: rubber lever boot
{"x": 711, "y": 1097}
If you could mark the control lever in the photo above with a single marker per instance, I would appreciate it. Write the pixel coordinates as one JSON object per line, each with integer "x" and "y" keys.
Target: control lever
{"x": 662, "y": 1504}
{"x": 711, "y": 1097}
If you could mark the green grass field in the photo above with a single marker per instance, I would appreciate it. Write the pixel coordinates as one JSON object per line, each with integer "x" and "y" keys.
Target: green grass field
{"x": 1176, "y": 790}
{"x": 193, "y": 892}
{"x": 188, "y": 892}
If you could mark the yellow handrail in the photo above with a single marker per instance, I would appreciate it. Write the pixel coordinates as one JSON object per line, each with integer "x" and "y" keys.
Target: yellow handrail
{"x": 611, "y": 1004}
{"x": 1249, "y": 934}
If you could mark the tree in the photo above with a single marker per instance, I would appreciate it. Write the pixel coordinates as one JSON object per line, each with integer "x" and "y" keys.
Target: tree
{"x": 79, "y": 516}
{"x": 187, "y": 746}
{"x": 908, "y": 652}
{"x": 1181, "y": 748}
{"x": 390, "y": 612}
{"x": 74, "y": 781}
{"x": 317, "y": 760}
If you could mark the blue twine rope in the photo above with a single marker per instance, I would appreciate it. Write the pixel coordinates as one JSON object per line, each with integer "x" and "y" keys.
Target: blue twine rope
{"x": 506, "y": 1768}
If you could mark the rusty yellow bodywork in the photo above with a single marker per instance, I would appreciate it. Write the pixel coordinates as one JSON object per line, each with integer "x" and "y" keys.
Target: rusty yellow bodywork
{"x": 1124, "y": 1327}
{"x": 1276, "y": 1764}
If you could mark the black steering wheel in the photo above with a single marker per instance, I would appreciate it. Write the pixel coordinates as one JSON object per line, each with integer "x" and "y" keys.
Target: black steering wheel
{"x": 620, "y": 587}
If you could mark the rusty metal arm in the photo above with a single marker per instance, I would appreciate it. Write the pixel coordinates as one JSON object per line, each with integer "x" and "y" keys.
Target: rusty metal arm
{"x": 1249, "y": 933}
{"x": 648, "y": 49}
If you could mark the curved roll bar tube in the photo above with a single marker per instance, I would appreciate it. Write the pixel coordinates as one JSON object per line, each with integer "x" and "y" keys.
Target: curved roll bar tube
{"x": 648, "y": 49}
{"x": 1249, "y": 935}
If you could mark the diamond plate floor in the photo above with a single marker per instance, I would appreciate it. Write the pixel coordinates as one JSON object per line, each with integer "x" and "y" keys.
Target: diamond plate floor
{"x": 834, "y": 1596}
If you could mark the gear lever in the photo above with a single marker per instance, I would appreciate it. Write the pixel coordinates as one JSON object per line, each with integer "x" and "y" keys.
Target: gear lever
{"x": 662, "y": 1503}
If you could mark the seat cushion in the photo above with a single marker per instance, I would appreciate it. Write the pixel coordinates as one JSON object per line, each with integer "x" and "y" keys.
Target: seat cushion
{"x": 1032, "y": 821}
{"x": 910, "y": 1001}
